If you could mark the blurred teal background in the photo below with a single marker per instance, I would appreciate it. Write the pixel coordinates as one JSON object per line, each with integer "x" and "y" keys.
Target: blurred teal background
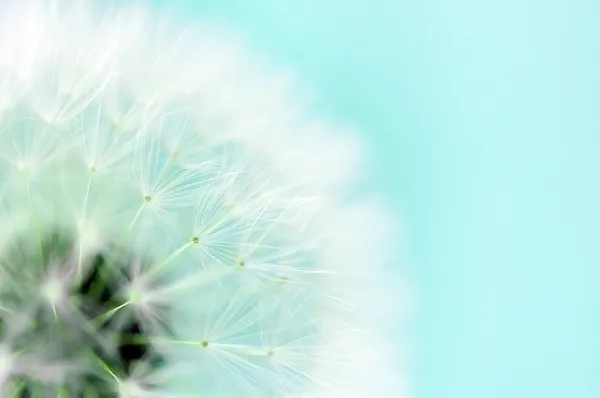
{"x": 483, "y": 120}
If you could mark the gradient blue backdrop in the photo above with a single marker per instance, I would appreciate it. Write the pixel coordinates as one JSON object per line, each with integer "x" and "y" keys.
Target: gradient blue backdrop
{"x": 483, "y": 118}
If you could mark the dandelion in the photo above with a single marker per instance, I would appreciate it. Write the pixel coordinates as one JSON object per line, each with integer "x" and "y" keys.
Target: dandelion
{"x": 173, "y": 225}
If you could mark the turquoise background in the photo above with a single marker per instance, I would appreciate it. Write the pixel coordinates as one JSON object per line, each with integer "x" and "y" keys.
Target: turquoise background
{"x": 483, "y": 121}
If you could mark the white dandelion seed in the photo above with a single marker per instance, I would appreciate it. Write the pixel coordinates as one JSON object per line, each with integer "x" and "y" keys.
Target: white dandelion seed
{"x": 173, "y": 224}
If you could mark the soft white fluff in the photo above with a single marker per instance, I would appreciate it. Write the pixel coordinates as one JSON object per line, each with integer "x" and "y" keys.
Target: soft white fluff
{"x": 170, "y": 143}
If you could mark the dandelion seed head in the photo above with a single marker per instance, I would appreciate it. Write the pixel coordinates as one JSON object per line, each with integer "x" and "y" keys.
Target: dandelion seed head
{"x": 174, "y": 224}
